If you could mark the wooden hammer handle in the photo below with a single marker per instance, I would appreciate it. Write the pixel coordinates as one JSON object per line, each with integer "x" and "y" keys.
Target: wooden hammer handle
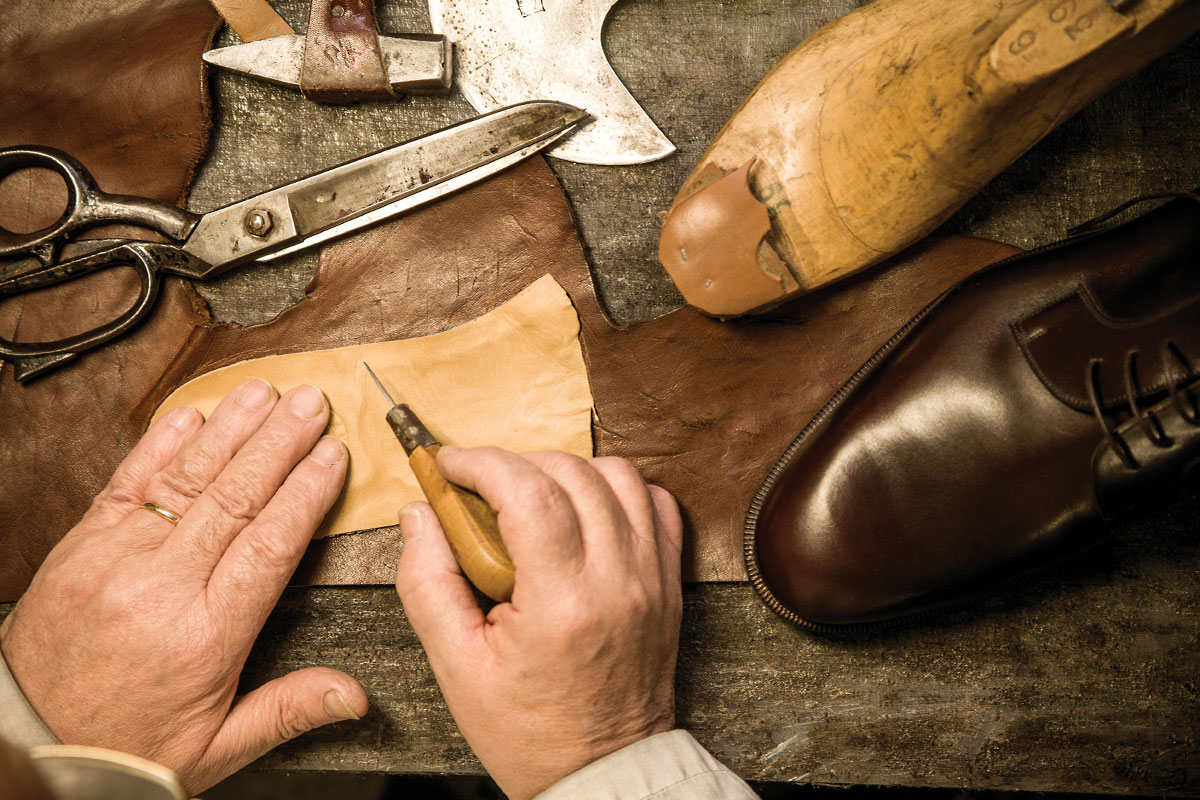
{"x": 470, "y": 525}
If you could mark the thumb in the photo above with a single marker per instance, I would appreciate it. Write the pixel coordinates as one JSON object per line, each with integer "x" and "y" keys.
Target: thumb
{"x": 437, "y": 598}
{"x": 274, "y": 713}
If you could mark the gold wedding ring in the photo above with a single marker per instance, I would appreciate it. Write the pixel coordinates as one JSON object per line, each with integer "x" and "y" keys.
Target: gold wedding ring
{"x": 166, "y": 513}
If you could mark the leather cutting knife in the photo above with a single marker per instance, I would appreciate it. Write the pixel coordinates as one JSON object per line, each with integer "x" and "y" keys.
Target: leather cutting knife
{"x": 292, "y": 217}
{"x": 413, "y": 63}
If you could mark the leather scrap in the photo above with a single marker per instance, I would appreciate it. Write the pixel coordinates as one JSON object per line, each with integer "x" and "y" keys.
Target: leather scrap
{"x": 710, "y": 245}
{"x": 512, "y": 378}
{"x": 252, "y": 20}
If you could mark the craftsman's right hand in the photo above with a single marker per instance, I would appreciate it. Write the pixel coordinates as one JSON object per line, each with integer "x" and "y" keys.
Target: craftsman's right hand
{"x": 134, "y": 631}
{"x": 581, "y": 662}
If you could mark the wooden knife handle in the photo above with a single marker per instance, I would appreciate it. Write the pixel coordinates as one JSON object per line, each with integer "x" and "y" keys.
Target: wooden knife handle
{"x": 470, "y": 525}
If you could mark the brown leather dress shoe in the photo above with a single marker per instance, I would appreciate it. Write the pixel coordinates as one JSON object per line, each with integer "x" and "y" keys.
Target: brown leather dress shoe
{"x": 995, "y": 434}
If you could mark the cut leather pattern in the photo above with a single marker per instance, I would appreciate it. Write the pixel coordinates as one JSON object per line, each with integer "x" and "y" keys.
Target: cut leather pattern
{"x": 1077, "y": 329}
{"x": 513, "y": 378}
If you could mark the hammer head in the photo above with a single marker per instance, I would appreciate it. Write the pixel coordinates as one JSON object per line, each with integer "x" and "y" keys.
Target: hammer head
{"x": 509, "y": 51}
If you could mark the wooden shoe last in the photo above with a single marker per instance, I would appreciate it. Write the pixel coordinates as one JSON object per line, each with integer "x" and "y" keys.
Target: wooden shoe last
{"x": 878, "y": 127}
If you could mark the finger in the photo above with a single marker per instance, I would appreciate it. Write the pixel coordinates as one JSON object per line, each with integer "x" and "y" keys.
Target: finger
{"x": 259, "y": 561}
{"x": 274, "y": 713}
{"x": 201, "y": 460}
{"x": 242, "y": 490}
{"x": 670, "y": 539}
{"x": 537, "y": 520}
{"x": 670, "y": 521}
{"x": 436, "y": 597}
{"x": 631, "y": 493}
{"x": 603, "y": 526}
{"x": 126, "y": 491}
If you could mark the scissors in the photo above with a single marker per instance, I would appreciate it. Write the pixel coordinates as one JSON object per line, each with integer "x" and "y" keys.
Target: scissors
{"x": 269, "y": 225}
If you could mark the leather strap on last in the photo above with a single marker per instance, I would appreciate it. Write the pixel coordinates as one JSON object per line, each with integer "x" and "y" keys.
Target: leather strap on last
{"x": 342, "y": 59}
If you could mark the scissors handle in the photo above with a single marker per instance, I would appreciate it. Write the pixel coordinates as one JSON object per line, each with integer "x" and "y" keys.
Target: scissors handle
{"x": 32, "y": 359}
{"x": 86, "y": 204}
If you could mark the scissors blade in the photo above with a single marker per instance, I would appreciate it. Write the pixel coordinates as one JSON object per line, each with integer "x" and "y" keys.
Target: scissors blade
{"x": 375, "y": 187}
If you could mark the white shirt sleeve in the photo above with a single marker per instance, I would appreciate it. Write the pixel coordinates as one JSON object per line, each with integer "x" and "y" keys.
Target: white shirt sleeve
{"x": 669, "y": 766}
{"x": 20, "y": 725}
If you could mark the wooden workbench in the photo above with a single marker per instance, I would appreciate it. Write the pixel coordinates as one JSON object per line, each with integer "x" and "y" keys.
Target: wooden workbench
{"x": 1076, "y": 683}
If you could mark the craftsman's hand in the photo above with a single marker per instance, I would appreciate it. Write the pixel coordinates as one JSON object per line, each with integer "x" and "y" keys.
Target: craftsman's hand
{"x": 134, "y": 631}
{"x": 582, "y": 661}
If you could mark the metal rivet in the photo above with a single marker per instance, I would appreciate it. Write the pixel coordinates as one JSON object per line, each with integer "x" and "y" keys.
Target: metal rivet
{"x": 337, "y": 11}
{"x": 258, "y": 222}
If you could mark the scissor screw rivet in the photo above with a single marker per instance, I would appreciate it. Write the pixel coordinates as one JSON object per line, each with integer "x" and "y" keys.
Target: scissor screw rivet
{"x": 258, "y": 222}
{"x": 338, "y": 11}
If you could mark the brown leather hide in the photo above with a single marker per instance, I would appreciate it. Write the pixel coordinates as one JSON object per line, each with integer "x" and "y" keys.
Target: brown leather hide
{"x": 702, "y": 407}
{"x": 120, "y": 86}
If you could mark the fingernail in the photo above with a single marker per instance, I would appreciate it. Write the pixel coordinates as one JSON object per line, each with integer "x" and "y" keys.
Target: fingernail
{"x": 327, "y": 451}
{"x": 254, "y": 394}
{"x": 449, "y": 449}
{"x": 412, "y": 522}
{"x": 337, "y": 707}
{"x": 182, "y": 418}
{"x": 307, "y": 401}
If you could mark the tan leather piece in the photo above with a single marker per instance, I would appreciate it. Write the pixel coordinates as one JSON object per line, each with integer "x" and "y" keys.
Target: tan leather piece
{"x": 513, "y": 378}
{"x": 252, "y": 20}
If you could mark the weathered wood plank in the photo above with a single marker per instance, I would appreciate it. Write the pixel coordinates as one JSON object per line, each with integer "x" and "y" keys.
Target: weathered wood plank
{"x": 1060, "y": 685}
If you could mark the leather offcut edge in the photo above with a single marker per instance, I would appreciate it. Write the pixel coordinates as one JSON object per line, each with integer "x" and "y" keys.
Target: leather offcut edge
{"x": 713, "y": 245}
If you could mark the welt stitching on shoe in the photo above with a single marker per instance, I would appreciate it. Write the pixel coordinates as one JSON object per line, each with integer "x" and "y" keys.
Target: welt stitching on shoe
{"x": 750, "y": 527}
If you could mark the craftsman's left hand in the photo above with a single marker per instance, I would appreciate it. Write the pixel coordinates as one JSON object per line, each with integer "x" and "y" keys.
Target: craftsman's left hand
{"x": 134, "y": 631}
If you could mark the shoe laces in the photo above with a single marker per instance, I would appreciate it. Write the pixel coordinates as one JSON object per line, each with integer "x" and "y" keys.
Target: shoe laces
{"x": 1183, "y": 398}
{"x": 1180, "y": 389}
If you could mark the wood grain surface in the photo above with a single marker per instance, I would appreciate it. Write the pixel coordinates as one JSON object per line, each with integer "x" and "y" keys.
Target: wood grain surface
{"x": 1081, "y": 684}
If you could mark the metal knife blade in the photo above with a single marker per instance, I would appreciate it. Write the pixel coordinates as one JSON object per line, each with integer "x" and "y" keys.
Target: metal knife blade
{"x": 413, "y": 62}
{"x": 345, "y": 198}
